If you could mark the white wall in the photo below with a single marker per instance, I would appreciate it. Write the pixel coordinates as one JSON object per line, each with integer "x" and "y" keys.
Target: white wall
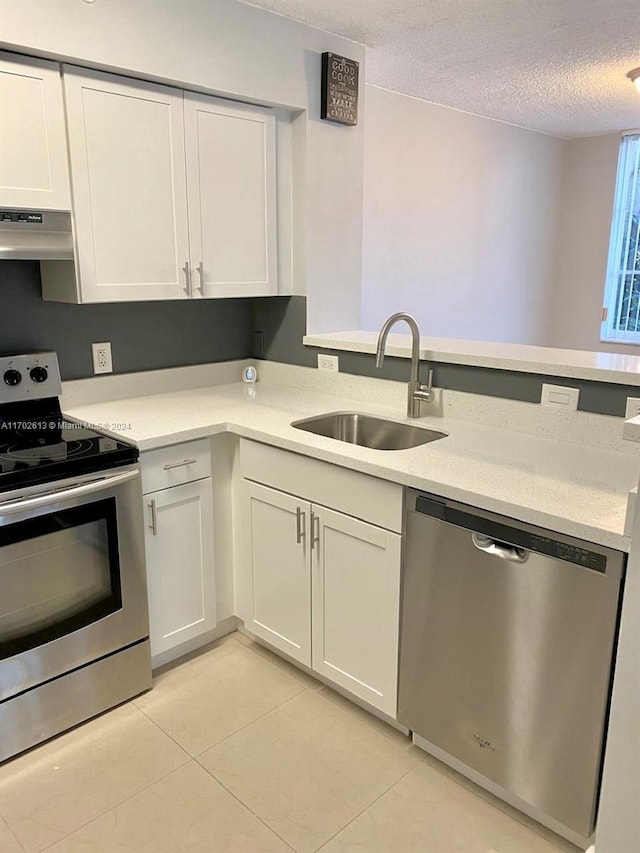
{"x": 459, "y": 221}
{"x": 583, "y": 244}
{"x": 460, "y": 212}
{"x": 239, "y": 51}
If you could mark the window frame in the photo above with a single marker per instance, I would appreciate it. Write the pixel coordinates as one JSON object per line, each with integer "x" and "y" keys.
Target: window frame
{"x": 608, "y": 332}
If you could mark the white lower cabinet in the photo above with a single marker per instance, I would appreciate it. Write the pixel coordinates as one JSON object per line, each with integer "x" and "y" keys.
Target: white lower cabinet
{"x": 356, "y": 605}
{"x": 323, "y": 586}
{"x": 180, "y": 563}
{"x": 277, "y": 558}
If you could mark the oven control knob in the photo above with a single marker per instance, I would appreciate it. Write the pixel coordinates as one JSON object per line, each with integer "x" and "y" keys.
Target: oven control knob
{"x": 12, "y": 377}
{"x": 38, "y": 374}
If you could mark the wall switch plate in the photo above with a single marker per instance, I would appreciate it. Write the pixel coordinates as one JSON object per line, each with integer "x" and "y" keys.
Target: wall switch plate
{"x": 102, "y": 358}
{"x": 560, "y": 397}
{"x": 328, "y": 362}
{"x": 633, "y": 408}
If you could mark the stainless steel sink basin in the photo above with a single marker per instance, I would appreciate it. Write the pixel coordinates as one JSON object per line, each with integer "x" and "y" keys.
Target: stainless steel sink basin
{"x": 376, "y": 433}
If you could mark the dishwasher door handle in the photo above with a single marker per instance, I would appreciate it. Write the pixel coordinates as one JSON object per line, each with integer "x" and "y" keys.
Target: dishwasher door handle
{"x": 499, "y": 549}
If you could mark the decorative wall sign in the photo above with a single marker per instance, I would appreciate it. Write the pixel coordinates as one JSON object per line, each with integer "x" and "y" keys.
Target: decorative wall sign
{"x": 339, "y": 89}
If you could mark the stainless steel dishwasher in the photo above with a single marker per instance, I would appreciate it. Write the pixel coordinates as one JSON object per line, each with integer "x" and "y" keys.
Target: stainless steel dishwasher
{"x": 508, "y": 636}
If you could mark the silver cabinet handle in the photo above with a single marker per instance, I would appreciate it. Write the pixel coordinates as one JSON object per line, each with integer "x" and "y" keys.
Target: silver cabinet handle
{"x": 171, "y": 465}
{"x": 315, "y": 531}
{"x": 499, "y": 549}
{"x": 300, "y": 524}
{"x": 201, "y": 274}
{"x": 154, "y": 517}
{"x": 187, "y": 275}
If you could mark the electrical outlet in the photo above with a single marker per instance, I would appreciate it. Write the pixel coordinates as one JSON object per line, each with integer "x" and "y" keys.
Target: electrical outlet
{"x": 560, "y": 396}
{"x": 102, "y": 358}
{"x": 328, "y": 362}
{"x": 633, "y": 408}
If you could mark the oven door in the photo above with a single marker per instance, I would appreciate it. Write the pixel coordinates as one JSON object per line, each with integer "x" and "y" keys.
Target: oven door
{"x": 72, "y": 576}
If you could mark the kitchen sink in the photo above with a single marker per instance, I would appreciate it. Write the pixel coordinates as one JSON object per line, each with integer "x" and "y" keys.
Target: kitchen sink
{"x": 368, "y": 431}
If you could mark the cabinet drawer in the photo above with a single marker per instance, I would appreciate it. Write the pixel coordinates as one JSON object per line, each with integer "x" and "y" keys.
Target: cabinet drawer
{"x": 175, "y": 465}
{"x": 360, "y": 495}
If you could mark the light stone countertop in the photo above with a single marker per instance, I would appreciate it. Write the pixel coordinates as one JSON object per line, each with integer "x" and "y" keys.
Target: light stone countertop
{"x": 577, "y": 490}
{"x": 576, "y": 364}
{"x": 631, "y": 429}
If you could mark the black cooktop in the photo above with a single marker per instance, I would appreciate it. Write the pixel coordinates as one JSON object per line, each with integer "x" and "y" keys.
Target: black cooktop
{"x": 38, "y": 446}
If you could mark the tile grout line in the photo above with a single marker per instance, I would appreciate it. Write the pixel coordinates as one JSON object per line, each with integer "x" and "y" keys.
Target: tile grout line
{"x": 353, "y": 706}
{"x": 196, "y": 761}
{"x": 244, "y": 805}
{"x": 265, "y": 659}
{"x": 14, "y": 836}
{"x": 111, "y": 808}
{"x": 171, "y": 738}
{"x": 521, "y": 818}
{"x": 246, "y": 725}
{"x": 366, "y": 808}
{"x": 282, "y": 660}
{"x": 190, "y": 760}
{"x": 131, "y": 796}
{"x": 219, "y": 781}
{"x": 321, "y": 686}
{"x": 476, "y": 791}
{"x": 197, "y": 756}
{"x": 371, "y": 720}
{"x": 266, "y": 713}
{"x": 503, "y": 807}
{"x": 346, "y": 710}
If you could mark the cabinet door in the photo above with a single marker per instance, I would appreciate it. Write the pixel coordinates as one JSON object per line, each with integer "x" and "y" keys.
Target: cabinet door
{"x": 278, "y": 574}
{"x": 356, "y": 600}
{"x": 33, "y": 143}
{"x": 180, "y": 563}
{"x": 126, "y": 142}
{"x": 231, "y": 169}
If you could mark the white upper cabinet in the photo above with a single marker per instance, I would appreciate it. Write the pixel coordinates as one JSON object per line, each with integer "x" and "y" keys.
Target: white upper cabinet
{"x": 174, "y": 195}
{"x": 126, "y": 143}
{"x": 231, "y": 174}
{"x": 33, "y": 149}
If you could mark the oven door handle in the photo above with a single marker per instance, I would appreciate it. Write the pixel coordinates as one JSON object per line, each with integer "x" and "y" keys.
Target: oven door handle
{"x": 23, "y": 504}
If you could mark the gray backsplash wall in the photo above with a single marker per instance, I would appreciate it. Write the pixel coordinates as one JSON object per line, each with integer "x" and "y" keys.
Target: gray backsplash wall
{"x": 153, "y": 335}
{"x": 279, "y": 323}
{"x": 143, "y": 335}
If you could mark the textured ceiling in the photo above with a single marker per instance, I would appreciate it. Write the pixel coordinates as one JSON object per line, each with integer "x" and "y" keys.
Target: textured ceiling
{"x": 556, "y": 66}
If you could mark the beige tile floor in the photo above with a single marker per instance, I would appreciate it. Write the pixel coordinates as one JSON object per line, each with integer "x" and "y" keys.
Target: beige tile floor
{"x": 236, "y": 751}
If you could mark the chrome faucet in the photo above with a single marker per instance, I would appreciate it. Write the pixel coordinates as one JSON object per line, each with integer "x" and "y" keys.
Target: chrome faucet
{"x": 416, "y": 391}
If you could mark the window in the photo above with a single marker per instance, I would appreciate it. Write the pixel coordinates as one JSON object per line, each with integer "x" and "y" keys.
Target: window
{"x": 622, "y": 294}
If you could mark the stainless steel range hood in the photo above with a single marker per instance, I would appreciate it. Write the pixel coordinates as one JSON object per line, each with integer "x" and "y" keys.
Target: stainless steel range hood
{"x": 35, "y": 235}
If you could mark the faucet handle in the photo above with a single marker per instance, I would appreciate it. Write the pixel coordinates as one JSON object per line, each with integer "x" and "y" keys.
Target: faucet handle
{"x": 430, "y": 380}
{"x": 425, "y": 392}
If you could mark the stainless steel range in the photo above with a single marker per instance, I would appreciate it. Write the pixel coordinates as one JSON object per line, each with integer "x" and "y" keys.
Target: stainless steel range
{"x": 73, "y": 605}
